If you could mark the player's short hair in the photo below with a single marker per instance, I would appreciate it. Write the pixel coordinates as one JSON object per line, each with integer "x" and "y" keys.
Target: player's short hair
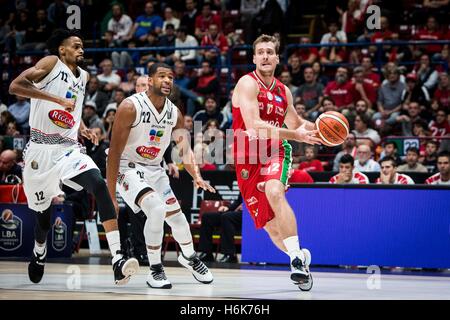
{"x": 267, "y": 38}
{"x": 347, "y": 158}
{"x": 413, "y": 149}
{"x": 389, "y": 158}
{"x": 58, "y": 37}
{"x": 444, "y": 153}
{"x": 154, "y": 67}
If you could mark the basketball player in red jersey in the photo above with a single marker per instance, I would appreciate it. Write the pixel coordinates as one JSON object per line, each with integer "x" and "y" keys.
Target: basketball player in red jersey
{"x": 262, "y": 109}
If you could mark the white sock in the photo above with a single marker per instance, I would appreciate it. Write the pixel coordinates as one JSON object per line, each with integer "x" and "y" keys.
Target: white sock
{"x": 154, "y": 256}
{"x": 40, "y": 248}
{"x": 113, "y": 238}
{"x": 293, "y": 248}
{"x": 188, "y": 249}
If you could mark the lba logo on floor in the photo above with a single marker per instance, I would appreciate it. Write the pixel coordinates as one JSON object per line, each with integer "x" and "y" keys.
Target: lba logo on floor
{"x": 10, "y": 231}
{"x": 59, "y": 235}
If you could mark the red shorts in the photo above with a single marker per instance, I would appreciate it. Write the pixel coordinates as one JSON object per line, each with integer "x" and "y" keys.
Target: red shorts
{"x": 250, "y": 175}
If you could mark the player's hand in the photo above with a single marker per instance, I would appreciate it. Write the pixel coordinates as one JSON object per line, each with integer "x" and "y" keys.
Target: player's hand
{"x": 223, "y": 209}
{"x": 200, "y": 183}
{"x": 307, "y": 136}
{"x": 173, "y": 170}
{"x": 68, "y": 104}
{"x": 87, "y": 133}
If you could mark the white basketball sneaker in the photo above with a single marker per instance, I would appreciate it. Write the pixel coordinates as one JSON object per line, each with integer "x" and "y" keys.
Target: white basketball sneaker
{"x": 157, "y": 278}
{"x": 200, "y": 272}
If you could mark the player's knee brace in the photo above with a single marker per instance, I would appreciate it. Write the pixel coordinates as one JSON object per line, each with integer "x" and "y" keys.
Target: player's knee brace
{"x": 180, "y": 227}
{"x": 42, "y": 225}
{"x": 155, "y": 210}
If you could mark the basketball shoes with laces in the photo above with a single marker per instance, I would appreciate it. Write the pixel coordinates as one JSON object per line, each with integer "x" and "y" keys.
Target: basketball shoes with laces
{"x": 157, "y": 277}
{"x": 124, "y": 268}
{"x": 36, "y": 266}
{"x": 200, "y": 272}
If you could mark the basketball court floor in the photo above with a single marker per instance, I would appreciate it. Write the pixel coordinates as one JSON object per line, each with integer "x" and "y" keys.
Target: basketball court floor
{"x": 92, "y": 278}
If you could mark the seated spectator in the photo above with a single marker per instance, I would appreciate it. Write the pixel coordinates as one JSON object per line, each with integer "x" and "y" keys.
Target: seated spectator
{"x": 119, "y": 96}
{"x": 347, "y": 172}
{"x": 108, "y": 121}
{"x": 229, "y": 220}
{"x": 364, "y": 163}
{"x": 141, "y": 84}
{"x": 319, "y": 75}
{"x": 414, "y": 92}
{"x": 443, "y": 164}
{"x": 334, "y": 31}
{"x": 167, "y": 40}
{"x": 211, "y": 111}
{"x": 189, "y": 56}
{"x": 340, "y": 89}
{"x": 38, "y": 33}
{"x": 362, "y": 109}
{"x": 128, "y": 86}
{"x": 9, "y": 169}
{"x": 384, "y": 33}
{"x": 189, "y": 16}
{"x": 389, "y": 99}
{"x": 362, "y": 90}
{"x": 426, "y": 74}
{"x": 407, "y": 120}
{"x": 299, "y": 176}
{"x": 389, "y": 175}
{"x": 307, "y": 55}
{"x": 412, "y": 162}
{"x": 442, "y": 93}
{"x": 120, "y": 24}
{"x": 285, "y": 78}
{"x": 429, "y": 32}
{"x": 170, "y": 19}
{"x": 109, "y": 80}
{"x": 90, "y": 117}
{"x": 20, "y": 110}
{"x": 95, "y": 95}
{"x": 348, "y": 147}
{"x": 203, "y": 157}
{"x": 213, "y": 37}
{"x": 390, "y": 150}
{"x": 311, "y": 163}
{"x": 370, "y": 77}
{"x": 205, "y": 19}
{"x": 440, "y": 126}
{"x": 332, "y": 54}
{"x": 310, "y": 93}
{"x": 327, "y": 104}
{"x": 205, "y": 84}
{"x": 429, "y": 158}
{"x": 362, "y": 130}
{"x": 295, "y": 69}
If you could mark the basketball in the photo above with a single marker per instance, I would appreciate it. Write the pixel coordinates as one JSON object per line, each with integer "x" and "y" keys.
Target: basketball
{"x": 333, "y": 128}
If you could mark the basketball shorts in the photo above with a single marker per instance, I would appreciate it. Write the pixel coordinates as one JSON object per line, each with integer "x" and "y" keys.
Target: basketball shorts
{"x": 46, "y": 167}
{"x": 252, "y": 177}
{"x": 134, "y": 178}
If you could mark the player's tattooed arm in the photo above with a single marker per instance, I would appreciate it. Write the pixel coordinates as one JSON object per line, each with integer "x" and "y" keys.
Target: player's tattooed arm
{"x": 24, "y": 86}
{"x": 125, "y": 116}
{"x": 182, "y": 139}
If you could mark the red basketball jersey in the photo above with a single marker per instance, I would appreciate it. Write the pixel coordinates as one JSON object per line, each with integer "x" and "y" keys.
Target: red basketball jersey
{"x": 272, "y": 109}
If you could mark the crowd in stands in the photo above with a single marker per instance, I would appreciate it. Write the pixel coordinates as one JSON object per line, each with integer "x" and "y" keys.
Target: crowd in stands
{"x": 402, "y": 92}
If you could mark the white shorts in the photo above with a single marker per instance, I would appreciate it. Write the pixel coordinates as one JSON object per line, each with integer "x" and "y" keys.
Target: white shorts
{"x": 134, "y": 177}
{"x": 46, "y": 167}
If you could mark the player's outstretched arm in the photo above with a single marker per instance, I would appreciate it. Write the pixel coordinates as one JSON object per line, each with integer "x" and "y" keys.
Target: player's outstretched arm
{"x": 24, "y": 86}
{"x": 125, "y": 116}
{"x": 246, "y": 97}
{"x": 306, "y": 130}
{"x": 182, "y": 139}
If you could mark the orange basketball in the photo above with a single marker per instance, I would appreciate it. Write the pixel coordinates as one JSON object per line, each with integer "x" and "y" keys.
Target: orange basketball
{"x": 333, "y": 128}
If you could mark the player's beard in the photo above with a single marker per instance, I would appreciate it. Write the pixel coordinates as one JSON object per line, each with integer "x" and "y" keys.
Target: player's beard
{"x": 158, "y": 91}
{"x": 79, "y": 61}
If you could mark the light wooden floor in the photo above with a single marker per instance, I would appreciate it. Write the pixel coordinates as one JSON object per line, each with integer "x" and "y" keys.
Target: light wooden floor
{"x": 96, "y": 282}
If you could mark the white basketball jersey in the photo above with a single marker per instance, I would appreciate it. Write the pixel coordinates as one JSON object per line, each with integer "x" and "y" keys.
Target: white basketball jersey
{"x": 151, "y": 131}
{"x": 49, "y": 122}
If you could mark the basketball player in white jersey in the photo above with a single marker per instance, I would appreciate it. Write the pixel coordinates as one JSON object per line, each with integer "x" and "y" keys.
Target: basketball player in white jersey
{"x": 56, "y": 86}
{"x": 141, "y": 133}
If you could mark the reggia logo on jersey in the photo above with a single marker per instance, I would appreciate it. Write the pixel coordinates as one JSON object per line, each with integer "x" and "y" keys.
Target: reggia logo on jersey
{"x": 61, "y": 118}
{"x": 148, "y": 152}
{"x": 156, "y": 135}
